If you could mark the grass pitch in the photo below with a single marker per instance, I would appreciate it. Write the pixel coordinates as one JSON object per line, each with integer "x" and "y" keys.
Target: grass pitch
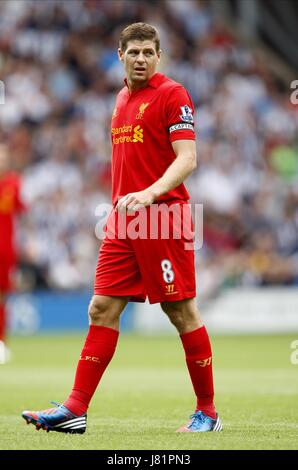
{"x": 146, "y": 394}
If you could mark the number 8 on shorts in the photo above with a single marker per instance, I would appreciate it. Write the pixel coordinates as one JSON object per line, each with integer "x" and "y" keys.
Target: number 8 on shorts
{"x": 168, "y": 273}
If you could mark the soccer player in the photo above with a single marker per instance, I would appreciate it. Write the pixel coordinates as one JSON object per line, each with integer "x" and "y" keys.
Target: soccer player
{"x": 153, "y": 144}
{"x": 10, "y": 206}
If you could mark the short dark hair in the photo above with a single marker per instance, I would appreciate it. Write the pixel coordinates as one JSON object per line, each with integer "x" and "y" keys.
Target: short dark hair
{"x": 140, "y": 31}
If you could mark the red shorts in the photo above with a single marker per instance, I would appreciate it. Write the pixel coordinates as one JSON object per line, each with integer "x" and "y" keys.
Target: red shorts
{"x": 158, "y": 266}
{"x": 6, "y": 270}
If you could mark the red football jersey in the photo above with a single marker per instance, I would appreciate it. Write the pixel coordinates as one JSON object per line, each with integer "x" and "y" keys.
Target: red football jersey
{"x": 10, "y": 205}
{"x": 144, "y": 124}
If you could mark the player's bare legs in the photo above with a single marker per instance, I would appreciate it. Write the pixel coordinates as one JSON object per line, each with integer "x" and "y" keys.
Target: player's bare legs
{"x": 106, "y": 311}
{"x": 185, "y": 317}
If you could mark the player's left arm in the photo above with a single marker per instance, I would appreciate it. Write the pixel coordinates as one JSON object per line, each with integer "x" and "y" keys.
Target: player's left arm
{"x": 184, "y": 163}
{"x": 179, "y": 121}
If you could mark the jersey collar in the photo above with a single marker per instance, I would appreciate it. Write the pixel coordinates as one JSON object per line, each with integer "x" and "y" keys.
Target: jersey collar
{"x": 156, "y": 80}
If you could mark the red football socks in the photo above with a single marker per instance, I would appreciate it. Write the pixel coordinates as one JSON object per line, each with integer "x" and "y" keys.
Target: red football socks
{"x": 97, "y": 352}
{"x": 2, "y": 322}
{"x": 199, "y": 362}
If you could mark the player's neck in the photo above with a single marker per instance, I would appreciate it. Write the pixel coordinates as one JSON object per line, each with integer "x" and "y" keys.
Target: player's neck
{"x": 135, "y": 86}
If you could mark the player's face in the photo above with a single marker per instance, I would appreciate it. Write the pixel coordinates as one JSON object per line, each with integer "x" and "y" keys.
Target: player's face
{"x": 140, "y": 60}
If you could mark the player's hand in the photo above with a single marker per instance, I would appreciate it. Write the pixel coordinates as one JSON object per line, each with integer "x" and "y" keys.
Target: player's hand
{"x": 135, "y": 201}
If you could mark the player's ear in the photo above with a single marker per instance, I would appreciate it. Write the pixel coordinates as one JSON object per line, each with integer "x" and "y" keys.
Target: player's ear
{"x": 120, "y": 55}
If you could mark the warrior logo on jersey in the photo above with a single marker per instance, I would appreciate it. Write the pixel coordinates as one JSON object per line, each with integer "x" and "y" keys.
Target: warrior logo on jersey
{"x": 186, "y": 115}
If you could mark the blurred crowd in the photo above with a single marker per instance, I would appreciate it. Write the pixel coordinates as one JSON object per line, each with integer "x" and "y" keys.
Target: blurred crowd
{"x": 59, "y": 64}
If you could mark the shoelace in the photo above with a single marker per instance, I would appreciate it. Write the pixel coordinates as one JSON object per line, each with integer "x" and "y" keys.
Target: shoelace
{"x": 52, "y": 410}
{"x": 59, "y": 405}
{"x": 54, "y": 403}
{"x": 198, "y": 416}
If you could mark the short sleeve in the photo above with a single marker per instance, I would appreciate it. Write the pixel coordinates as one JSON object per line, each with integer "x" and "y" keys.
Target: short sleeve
{"x": 179, "y": 115}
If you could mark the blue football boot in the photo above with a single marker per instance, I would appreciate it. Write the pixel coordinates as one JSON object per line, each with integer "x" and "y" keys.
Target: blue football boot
{"x": 199, "y": 422}
{"x": 58, "y": 419}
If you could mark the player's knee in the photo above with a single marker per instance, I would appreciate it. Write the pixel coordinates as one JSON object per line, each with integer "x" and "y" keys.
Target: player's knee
{"x": 174, "y": 314}
{"x": 99, "y": 310}
{"x": 183, "y": 318}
